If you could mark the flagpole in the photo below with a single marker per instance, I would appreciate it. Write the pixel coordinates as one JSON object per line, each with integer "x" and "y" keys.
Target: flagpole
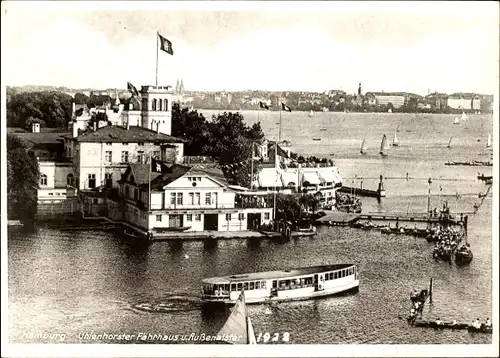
{"x": 149, "y": 184}
{"x": 279, "y": 130}
{"x": 251, "y": 158}
{"x": 157, "y": 37}
{"x": 275, "y": 178}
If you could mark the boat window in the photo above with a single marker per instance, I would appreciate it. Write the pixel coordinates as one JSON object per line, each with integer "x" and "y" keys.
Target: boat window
{"x": 226, "y": 287}
{"x": 343, "y": 273}
{"x": 327, "y": 276}
{"x": 263, "y": 284}
{"x": 233, "y": 287}
{"x": 245, "y": 286}
{"x": 251, "y": 286}
{"x": 335, "y": 275}
{"x": 331, "y": 275}
{"x": 240, "y": 285}
{"x": 257, "y": 285}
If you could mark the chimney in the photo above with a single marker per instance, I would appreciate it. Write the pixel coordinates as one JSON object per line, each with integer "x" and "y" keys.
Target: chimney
{"x": 75, "y": 130}
{"x": 35, "y": 127}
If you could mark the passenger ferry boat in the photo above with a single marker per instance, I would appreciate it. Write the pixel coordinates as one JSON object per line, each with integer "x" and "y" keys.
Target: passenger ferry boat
{"x": 295, "y": 284}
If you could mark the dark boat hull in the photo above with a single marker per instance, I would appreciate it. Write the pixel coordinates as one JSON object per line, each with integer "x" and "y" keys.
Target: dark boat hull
{"x": 463, "y": 258}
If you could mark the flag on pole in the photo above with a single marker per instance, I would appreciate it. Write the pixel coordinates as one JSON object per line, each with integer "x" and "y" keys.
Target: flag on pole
{"x": 263, "y": 105}
{"x": 132, "y": 89}
{"x": 284, "y": 107}
{"x": 166, "y": 45}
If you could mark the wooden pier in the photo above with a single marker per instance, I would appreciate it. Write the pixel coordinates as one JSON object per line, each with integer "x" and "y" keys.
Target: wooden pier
{"x": 379, "y": 193}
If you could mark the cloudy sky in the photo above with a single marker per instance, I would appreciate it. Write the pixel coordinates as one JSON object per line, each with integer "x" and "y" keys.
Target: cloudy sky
{"x": 391, "y": 46}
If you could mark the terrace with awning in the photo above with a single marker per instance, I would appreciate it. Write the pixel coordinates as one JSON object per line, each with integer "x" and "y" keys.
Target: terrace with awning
{"x": 269, "y": 178}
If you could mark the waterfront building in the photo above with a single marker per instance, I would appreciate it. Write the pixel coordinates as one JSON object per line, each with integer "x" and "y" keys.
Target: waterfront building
{"x": 463, "y": 101}
{"x": 56, "y": 192}
{"x": 101, "y": 156}
{"x": 383, "y": 98}
{"x": 188, "y": 198}
{"x": 289, "y": 177}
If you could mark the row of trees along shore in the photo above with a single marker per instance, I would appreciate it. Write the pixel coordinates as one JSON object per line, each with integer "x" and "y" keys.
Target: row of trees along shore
{"x": 226, "y": 138}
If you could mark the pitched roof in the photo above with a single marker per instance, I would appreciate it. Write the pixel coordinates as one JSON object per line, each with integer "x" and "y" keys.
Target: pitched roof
{"x": 32, "y": 139}
{"x": 134, "y": 134}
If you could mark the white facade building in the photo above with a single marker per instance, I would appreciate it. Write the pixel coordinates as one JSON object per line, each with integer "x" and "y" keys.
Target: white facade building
{"x": 185, "y": 198}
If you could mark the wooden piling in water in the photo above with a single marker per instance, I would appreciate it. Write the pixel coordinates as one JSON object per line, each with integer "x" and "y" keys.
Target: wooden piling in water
{"x": 430, "y": 291}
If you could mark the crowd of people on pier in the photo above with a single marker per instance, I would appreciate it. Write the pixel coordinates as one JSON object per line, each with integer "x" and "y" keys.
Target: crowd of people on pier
{"x": 348, "y": 203}
{"x": 447, "y": 241}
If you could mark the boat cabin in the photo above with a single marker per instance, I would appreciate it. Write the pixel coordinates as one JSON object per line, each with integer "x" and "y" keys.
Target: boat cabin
{"x": 282, "y": 285}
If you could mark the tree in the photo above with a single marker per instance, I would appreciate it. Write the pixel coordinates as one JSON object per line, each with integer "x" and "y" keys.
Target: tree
{"x": 287, "y": 207}
{"x": 29, "y": 122}
{"x": 52, "y": 107}
{"x": 22, "y": 180}
{"x": 81, "y": 98}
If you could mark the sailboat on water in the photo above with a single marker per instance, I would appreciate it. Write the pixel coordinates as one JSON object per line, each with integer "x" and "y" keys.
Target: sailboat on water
{"x": 384, "y": 145}
{"x": 464, "y": 117}
{"x": 238, "y": 324}
{"x": 363, "y": 147}
{"x": 311, "y": 113}
{"x": 449, "y": 142}
{"x": 456, "y": 121}
{"x": 395, "y": 141}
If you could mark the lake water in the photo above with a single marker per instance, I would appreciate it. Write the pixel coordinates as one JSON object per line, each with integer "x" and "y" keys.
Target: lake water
{"x": 90, "y": 281}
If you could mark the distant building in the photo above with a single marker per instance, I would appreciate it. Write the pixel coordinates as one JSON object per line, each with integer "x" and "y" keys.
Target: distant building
{"x": 396, "y": 99}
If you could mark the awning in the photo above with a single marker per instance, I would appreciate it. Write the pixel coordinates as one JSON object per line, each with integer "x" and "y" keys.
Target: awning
{"x": 327, "y": 174}
{"x": 270, "y": 178}
{"x": 338, "y": 178}
{"x": 311, "y": 177}
{"x": 289, "y": 178}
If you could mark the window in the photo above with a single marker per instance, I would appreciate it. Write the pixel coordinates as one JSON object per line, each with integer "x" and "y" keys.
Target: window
{"x": 124, "y": 143}
{"x": 335, "y": 275}
{"x": 124, "y": 156}
{"x": 208, "y": 198}
{"x": 51, "y": 194}
{"x": 92, "y": 183}
{"x": 189, "y": 217}
{"x": 156, "y": 154}
{"x": 327, "y": 277}
{"x": 153, "y": 105}
{"x": 197, "y": 217}
{"x": 241, "y": 216}
{"x": 160, "y": 104}
{"x": 191, "y": 198}
{"x": 245, "y": 286}
{"x": 140, "y": 157}
{"x": 331, "y": 275}
{"x": 262, "y": 284}
{"x": 233, "y": 287}
{"x": 257, "y": 285}
{"x": 266, "y": 216}
{"x": 140, "y": 144}
{"x": 228, "y": 217}
{"x": 69, "y": 179}
{"x": 109, "y": 143}
{"x": 109, "y": 156}
{"x": 251, "y": 286}
{"x": 239, "y": 286}
{"x": 109, "y": 179}
{"x": 172, "y": 198}
{"x": 158, "y": 218}
{"x": 197, "y": 200}
{"x": 43, "y": 179}
{"x": 179, "y": 198}
{"x": 165, "y": 104}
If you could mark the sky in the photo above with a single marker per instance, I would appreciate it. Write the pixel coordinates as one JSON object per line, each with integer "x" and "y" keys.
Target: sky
{"x": 303, "y": 46}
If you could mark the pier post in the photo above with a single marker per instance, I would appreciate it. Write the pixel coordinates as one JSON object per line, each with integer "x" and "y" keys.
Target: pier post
{"x": 430, "y": 291}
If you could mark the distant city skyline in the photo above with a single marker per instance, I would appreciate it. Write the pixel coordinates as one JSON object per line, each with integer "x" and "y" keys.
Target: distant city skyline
{"x": 273, "y": 46}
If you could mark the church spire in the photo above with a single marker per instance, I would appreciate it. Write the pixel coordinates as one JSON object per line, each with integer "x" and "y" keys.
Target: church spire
{"x": 177, "y": 87}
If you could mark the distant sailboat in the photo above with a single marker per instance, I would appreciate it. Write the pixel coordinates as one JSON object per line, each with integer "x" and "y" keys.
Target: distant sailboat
{"x": 363, "y": 147}
{"x": 464, "y": 117}
{"x": 449, "y": 143}
{"x": 311, "y": 113}
{"x": 456, "y": 121}
{"x": 488, "y": 144}
{"x": 239, "y": 324}
{"x": 395, "y": 141}
{"x": 384, "y": 145}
